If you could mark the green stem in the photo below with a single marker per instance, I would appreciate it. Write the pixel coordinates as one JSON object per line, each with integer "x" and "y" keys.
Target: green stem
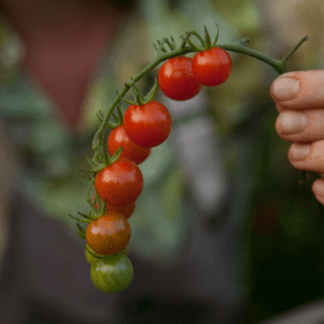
{"x": 278, "y": 65}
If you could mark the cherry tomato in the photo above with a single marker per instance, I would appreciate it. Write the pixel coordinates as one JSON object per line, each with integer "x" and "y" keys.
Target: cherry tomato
{"x": 118, "y": 138}
{"x": 176, "y": 79}
{"x": 126, "y": 211}
{"x": 148, "y": 125}
{"x": 112, "y": 276}
{"x": 92, "y": 259}
{"x": 120, "y": 183}
{"x": 108, "y": 234}
{"x": 212, "y": 67}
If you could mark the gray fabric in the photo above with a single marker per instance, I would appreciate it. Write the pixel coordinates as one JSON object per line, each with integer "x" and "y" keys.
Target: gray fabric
{"x": 45, "y": 268}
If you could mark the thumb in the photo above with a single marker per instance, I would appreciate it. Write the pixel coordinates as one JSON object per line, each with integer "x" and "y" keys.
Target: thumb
{"x": 299, "y": 90}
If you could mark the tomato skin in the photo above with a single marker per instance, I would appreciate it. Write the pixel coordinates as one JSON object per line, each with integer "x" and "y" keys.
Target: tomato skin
{"x": 148, "y": 125}
{"x": 112, "y": 276}
{"x": 108, "y": 234}
{"x": 176, "y": 79}
{"x": 120, "y": 183}
{"x": 119, "y": 138}
{"x": 126, "y": 211}
{"x": 212, "y": 67}
{"x": 92, "y": 260}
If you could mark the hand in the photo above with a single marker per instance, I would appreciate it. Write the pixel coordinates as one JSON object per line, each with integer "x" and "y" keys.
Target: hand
{"x": 299, "y": 98}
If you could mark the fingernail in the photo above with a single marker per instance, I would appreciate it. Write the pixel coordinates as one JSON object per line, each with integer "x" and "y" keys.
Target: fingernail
{"x": 291, "y": 122}
{"x": 285, "y": 89}
{"x": 299, "y": 151}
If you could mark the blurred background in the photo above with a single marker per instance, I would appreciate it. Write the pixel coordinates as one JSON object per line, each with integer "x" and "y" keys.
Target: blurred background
{"x": 222, "y": 232}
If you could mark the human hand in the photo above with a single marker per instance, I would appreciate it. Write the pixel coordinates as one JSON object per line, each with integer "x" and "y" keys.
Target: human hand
{"x": 299, "y": 100}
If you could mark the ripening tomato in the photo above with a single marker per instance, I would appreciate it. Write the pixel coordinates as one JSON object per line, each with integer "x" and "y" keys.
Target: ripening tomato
{"x": 108, "y": 234}
{"x": 176, "y": 79}
{"x": 120, "y": 183}
{"x": 148, "y": 125}
{"x": 112, "y": 276}
{"x": 212, "y": 67}
{"x": 118, "y": 138}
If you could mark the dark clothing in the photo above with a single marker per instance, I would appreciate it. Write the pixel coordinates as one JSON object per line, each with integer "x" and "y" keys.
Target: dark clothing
{"x": 45, "y": 279}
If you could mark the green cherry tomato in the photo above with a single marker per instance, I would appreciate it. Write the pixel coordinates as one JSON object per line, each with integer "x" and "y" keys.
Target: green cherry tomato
{"x": 112, "y": 276}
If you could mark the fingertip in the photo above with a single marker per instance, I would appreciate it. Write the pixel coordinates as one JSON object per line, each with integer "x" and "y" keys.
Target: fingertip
{"x": 318, "y": 189}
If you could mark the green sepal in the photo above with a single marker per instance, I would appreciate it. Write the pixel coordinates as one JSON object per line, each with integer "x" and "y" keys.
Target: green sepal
{"x": 81, "y": 231}
{"x": 112, "y": 125}
{"x": 120, "y": 115}
{"x": 89, "y": 217}
{"x": 100, "y": 115}
{"x": 105, "y": 257}
{"x": 161, "y": 46}
{"x": 133, "y": 103}
{"x": 83, "y": 220}
{"x": 151, "y": 95}
{"x": 93, "y": 164}
{"x": 116, "y": 156}
{"x": 216, "y": 38}
{"x": 192, "y": 45}
{"x": 207, "y": 38}
{"x": 93, "y": 171}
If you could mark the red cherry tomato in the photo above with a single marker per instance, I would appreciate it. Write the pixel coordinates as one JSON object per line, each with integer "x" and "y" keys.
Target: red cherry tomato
{"x": 148, "y": 125}
{"x": 118, "y": 138}
{"x": 176, "y": 79}
{"x": 120, "y": 183}
{"x": 126, "y": 210}
{"x": 212, "y": 67}
{"x": 108, "y": 234}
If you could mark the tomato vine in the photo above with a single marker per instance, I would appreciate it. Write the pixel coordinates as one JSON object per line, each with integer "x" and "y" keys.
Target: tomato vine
{"x": 146, "y": 123}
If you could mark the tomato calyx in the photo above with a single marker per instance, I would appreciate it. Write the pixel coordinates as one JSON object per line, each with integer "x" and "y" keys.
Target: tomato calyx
{"x": 139, "y": 100}
{"x": 206, "y": 43}
{"x": 119, "y": 119}
{"x": 105, "y": 257}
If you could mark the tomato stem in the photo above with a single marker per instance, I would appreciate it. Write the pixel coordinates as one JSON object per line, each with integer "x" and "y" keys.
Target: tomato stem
{"x": 186, "y": 47}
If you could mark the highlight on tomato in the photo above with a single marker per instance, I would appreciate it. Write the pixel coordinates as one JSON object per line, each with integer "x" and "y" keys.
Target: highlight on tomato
{"x": 148, "y": 125}
{"x": 120, "y": 183}
{"x": 113, "y": 275}
{"x": 212, "y": 67}
{"x": 109, "y": 234}
{"x": 176, "y": 79}
{"x": 119, "y": 138}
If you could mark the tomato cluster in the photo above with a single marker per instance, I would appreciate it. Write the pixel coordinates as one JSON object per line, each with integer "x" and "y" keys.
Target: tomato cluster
{"x": 181, "y": 78}
{"x": 119, "y": 184}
